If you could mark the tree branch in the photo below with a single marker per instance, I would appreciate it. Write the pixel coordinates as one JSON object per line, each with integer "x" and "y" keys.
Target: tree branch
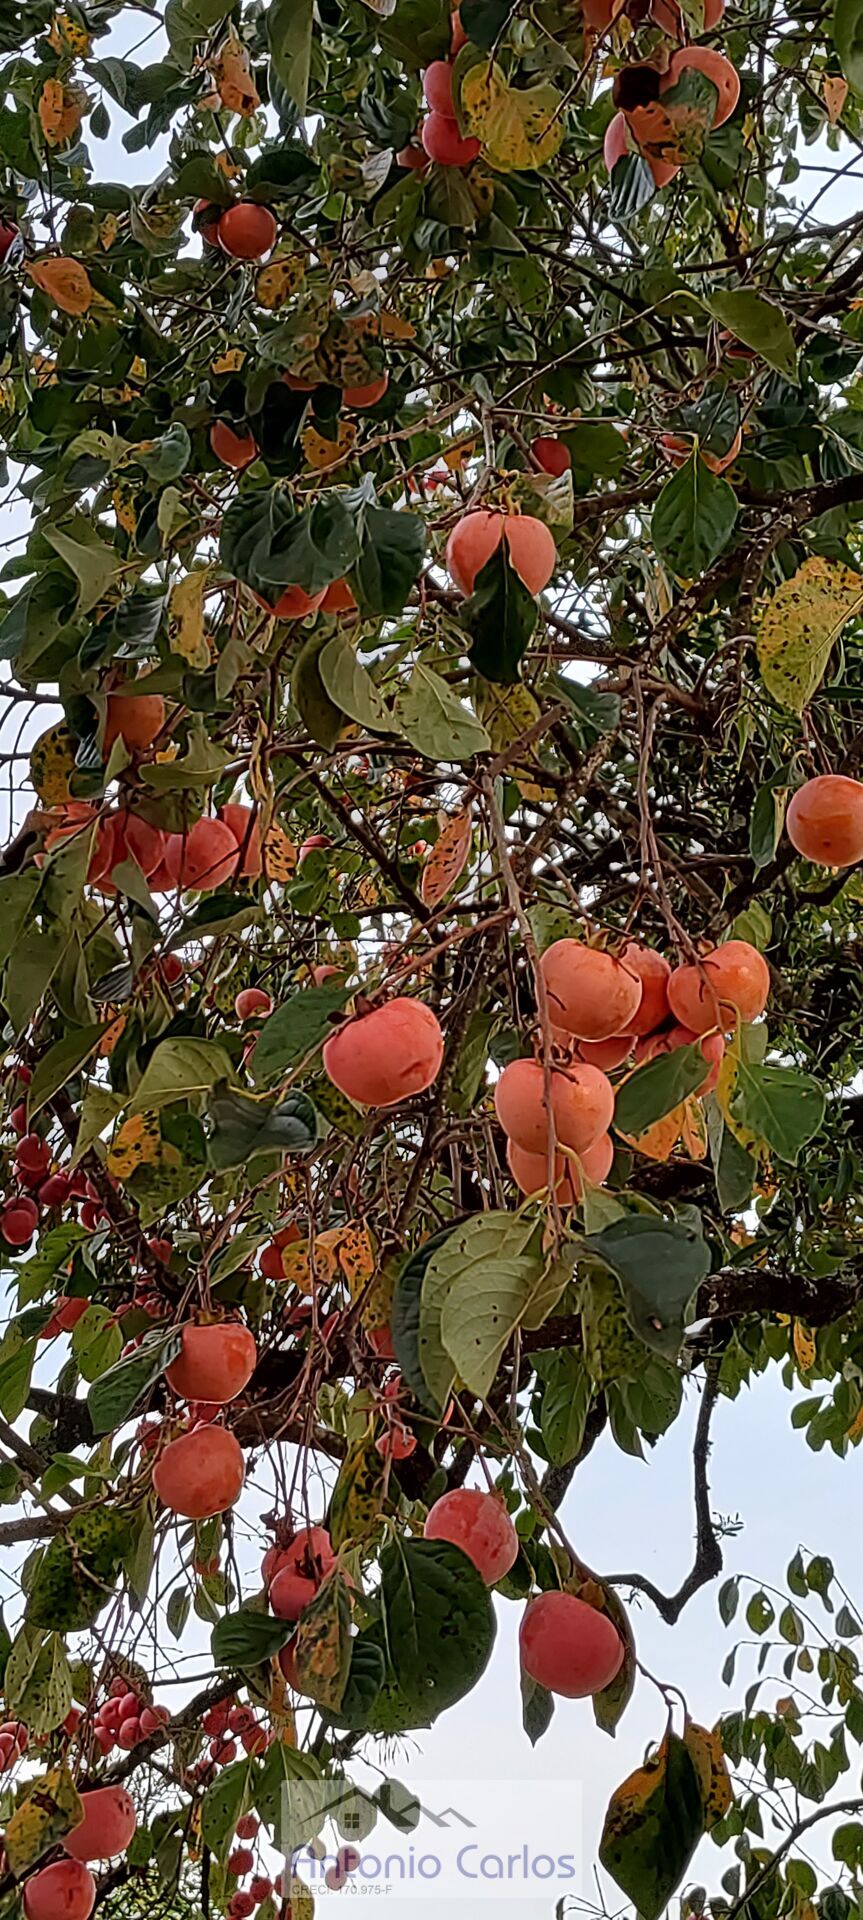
{"x": 708, "y": 1552}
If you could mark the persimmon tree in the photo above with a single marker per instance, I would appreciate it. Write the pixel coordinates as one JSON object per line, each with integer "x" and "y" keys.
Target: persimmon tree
{"x": 428, "y": 1047}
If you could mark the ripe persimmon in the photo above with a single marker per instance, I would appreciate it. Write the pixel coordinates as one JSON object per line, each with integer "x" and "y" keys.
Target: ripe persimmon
{"x": 134, "y": 718}
{"x": 479, "y": 1524}
{"x": 412, "y": 158}
{"x": 119, "y": 837}
{"x": 207, "y": 216}
{"x": 712, "y": 1047}
{"x": 582, "y": 1101}
{"x": 605, "y": 1054}
{"x": 236, "y": 450}
{"x": 366, "y": 395}
{"x": 591, "y": 994}
{"x": 654, "y": 972}
{"x": 247, "y": 231}
{"x": 204, "y": 858}
{"x": 66, "y": 1891}
{"x": 458, "y": 38}
{"x": 444, "y": 144}
{"x": 824, "y": 821}
{"x": 551, "y": 454}
{"x": 242, "y": 822}
{"x": 214, "y": 1363}
{"x": 477, "y": 536}
{"x": 387, "y": 1055}
{"x": 201, "y": 1473}
{"x": 619, "y": 141}
{"x": 437, "y": 87}
{"x": 293, "y": 604}
{"x": 304, "y": 1564}
{"x": 569, "y": 1647}
{"x": 530, "y": 1170}
{"x": 108, "y": 1824}
{"x": 732, "y": 980}
{"x": 252, "y": 1000}
{"x": 715, "y": 68}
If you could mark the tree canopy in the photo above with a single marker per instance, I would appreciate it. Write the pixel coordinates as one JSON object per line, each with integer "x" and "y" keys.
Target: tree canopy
{"x": 428, "y": 928}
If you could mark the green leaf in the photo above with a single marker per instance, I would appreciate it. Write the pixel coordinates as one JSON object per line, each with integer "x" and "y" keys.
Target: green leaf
{"x": 734, "y": 1168}
{"x": 312, "y": 549}
{"x": 465, "y": 1075}
{"x": 77, "y": 1573}
{"x": 392, "y": 544}
{"x": 351, "y": 687}
{"x": 434, "y": 720}
{"x": 168, "y": 456}
{"x": 759, "y": 324}
{"x": 693, "y": 519}
{"x": 438, "y": 1621}
{"x": 537, "y": 1708}
{"x": 243, "y": 1127}
{"x": 652, "y": 1827}
{"x": 567, "y": 1392}
{"x": 54, "y": 1252}
{"x": 112, "y": 1398}
{"x": 729, "y": 1595}
{"x": 177, "y": 1611}
{"x": 659, "y": 1264}
{"x": 16, "y": 1366}
{"x": 406, "y": 1325}
{"x": 246, "y": 1638}
{"x": 657, "y": 1088}
{"x": 37, "y": 1683}
{"x": 17, "y": 901}
{"x": 490, "y": 1275}
{"x": 96, "y": 1341}
{"x": 322, "y": 719}
{"x": 229, "y": 1796}
{"x": 365, "y": 1678}
{"x": 296, "y": 1027}
{"x": 778, "y": 1105}
{"x": 289, "y": 33}
{"x": 93, "y": 564}
{"x": 59, "y": 1063}
{"x": 765, "y": 826}
{"x": 500, "y": 616}
{"x": 179, "y": 1070}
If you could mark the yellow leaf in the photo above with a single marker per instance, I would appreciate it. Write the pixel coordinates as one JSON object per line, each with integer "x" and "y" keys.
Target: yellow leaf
{"x": 705, "y": 1749}
{"x": 322, "y": 453}
{"x": 123, "y": 502}
{"x": 280, "y": 854}
{"x": 724, "y": 1090}
{"x": 279, "y": 279}
{"x": 835, "y": 92}
{"x": 138, "y": 1143}
{"x": 448, "y": 858}
{"x": 234, "y": 80}
{"x": 52, "y": 760}
{"x": 358, "y": 1493}
{"x": 509, "y": 713}
{"x": 658, "y": 1141}
{"x": 230, "y": 361}
{"x": 797, "y": 626}
{"x": 109, "y": 227}
{"x": 856, "y": 1428}
{"x": 52, "y": 1807}
{"x": 355, "y": 1254}
{"x": 68, "y": 36}
{"x": 395, "y": 327}
{"x": 60, "y": 111}
{"x": 804, "y": 1346}
{"x": 694, "y": 1129}
{"x": 186, "y": 634}
{"x": 519, "y": 128}
{"x": 65, "y": 282}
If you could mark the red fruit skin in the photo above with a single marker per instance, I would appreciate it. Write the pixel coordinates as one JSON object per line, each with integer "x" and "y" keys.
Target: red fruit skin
{"x": 215, "y": 1363}
{"x": 204, "y": 859}
{"x": 171, "y": 969}
{"x": 200, "y": 1474}
{"x": 250, "y": 1001}
{"x": 569, "y": 1647}
{"x": 591, "y": 994}
{"x": 477, "y": 536}
{"x": 33, "y": 1155}
{"x": 288, "y": 1667}
{"x": 443, "y": 142}
{"x": 733, "y": 979}
{"x": 9, "y": 235}
{"x": 107, "y": 1827}
{"x": 387, "y": 1055}
{"x": 247, "y": 231}
{"x": 479, "y": 1524}
{"x": 241, "y": 1861}
{"x": 366, "y": 395}
{"x": 654, "y": 972}
{"x": 824, "y": 821}
{"x": 304, "y": 1564}
{"x": 243, "y": 823}
{"x": 54, "y": 1192}
{"x": 293, "y": 604}
{"x": 18, "y": 1118}
{"x": 380, "y": 1339}
{"x": 582, "y": 1102}
{"x": 412, "y": 159}
{"x": 552, "y": 455}
{"x": 66, "y": 1891}
{"x": 437, "y": 87}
